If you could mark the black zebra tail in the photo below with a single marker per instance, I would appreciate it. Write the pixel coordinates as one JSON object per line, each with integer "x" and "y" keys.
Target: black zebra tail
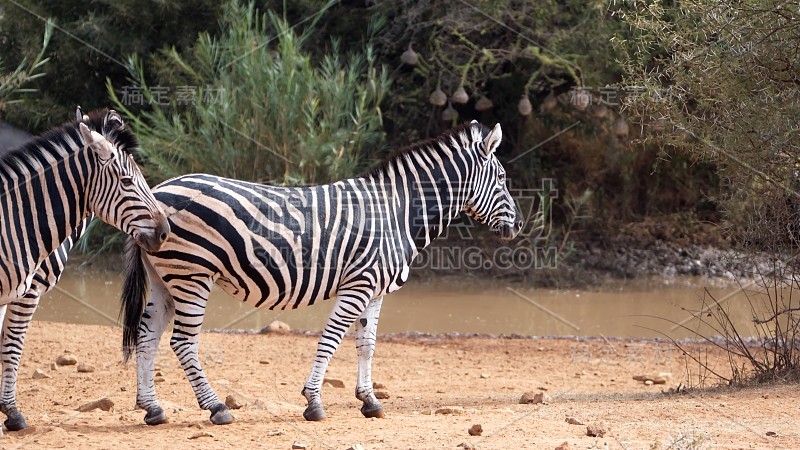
{"x": 132, "y": 301}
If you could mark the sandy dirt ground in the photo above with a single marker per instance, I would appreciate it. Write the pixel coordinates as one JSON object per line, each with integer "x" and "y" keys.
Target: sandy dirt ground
{"x": 482, "y": 378}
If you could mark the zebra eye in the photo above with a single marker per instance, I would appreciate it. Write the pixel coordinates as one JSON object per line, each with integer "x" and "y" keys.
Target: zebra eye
{"x": 501, "y": 177}
{"x": 127, "y": 181}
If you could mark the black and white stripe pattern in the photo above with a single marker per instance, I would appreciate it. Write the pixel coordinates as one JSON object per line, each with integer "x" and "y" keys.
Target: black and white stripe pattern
{"x": 48, "y": 188}
{"x": 284, "y": 248}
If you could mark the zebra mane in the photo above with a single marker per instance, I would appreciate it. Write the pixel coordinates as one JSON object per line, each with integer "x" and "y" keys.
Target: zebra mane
{"x": 122, "y": 138}
{"x": 427, "y": 145}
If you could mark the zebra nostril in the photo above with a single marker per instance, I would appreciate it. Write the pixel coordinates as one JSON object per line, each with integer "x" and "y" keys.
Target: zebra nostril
{"x": 162, "y": 237}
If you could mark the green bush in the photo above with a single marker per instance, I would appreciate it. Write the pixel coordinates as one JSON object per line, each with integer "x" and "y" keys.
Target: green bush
{"x": 253, "y": 105}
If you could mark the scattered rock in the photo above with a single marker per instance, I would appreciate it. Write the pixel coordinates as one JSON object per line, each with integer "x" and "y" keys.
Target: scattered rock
{"x": 299, "y": 446}
{"x": 158, "y": 373}
{"x": 376, "y": 385}
{"x": 573, "y": 421}
{"x": 648, "y": 383}
{"x": 356, "y": 447}
{"x": 381, "y": 395}
{"x": 466, "y": 446}
{"x": 67, "y": 359}
{"x": 263, "y": 361}
{"x": 123, "y": 388}
{"x": 654, "y": 378}
{"x": 53, "y": 366}
{"x": 448, "y": 410}
{"x": 475, "y": 430}
{"x": 563, "y": 446}
{"x": 232, "y": 403}
{"x": 201, "y": 434}
{"x": 597, "y": 430}
{"x": 275, "y": 433}
{"x": 106, "y": 404}
{"x": 535, "y": 398}
{"x": 484, "y": 375}
{"x": 40, "y": 374}
{"x": 159, "y": 379}
{"x": 333, "y": 382}
{"x": 85, "y": 368}
{"x": 276, "y": 326}
{"x": 771, "y": 433}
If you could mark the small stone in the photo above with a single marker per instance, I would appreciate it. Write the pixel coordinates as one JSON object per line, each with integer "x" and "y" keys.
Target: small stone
{"x": 263, "y": 361}
{"x": 771, "y": 433}
{"x": 450, "y": 410}
{"x": 475, "y": 430}
{"x": 66, "y": 360}
{"x": 53, "y": 366}
{"x": 106, "y": 404}
{"x": 563, "y": 446}
{"x": 299, "y": 446}
{"x": 484, "y": 375}
{"x": 765, "y": 396}
{"x": 40, "y": 374}
{"x": 275, "y": 433}
{"x": 381, "y": 395}
{"x": 466, "y": 446}
{"x": 333, "y": 382}
{"x": 200, "y": 435}
{"x": 655, "y": 378}
{"x": 232, "y": 403}
{"x": 597, "y": 430}
{"x": 159, "y": 379}
{"x": 573, "y": 421}
{"x": 277, "y": 327}
{"x": 356, "y": 447}
{"x": 85, "y": 368}
{"x": 535, "y": 398}
{"x": 648, "y": 382}
{"x": 376, "y": 385}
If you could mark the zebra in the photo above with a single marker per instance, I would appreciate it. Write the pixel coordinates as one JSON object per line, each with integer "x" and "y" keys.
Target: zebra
{"x": 49, "y": 188}
{"x": 280, "y": 247}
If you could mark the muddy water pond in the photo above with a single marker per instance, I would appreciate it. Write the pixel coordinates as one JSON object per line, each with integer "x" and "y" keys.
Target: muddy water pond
{"x": 645, "y": 308}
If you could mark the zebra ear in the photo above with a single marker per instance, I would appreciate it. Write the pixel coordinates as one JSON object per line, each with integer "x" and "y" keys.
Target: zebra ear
{"x": 112, "y": 121}
{"x": 79, "y": 114}
{"x": 95, "y": 142}
{"x": 492, "y": 140}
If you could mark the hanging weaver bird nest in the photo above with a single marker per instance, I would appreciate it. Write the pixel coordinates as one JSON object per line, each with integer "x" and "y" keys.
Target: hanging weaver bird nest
{"x": 460, "y": 96}
{"x": 524, "y": 106}
{"x": 449, "y": 114}
{"x": 438, "y": 98}
{"x": 483, "y": 104}
{"x": 409, "y": 56}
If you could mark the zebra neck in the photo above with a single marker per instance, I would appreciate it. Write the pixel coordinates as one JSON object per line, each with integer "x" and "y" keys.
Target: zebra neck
{"x": 429, "y": 192}
{"x": 45, "y": 194}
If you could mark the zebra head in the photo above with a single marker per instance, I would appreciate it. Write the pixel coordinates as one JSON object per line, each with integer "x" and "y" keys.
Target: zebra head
{"x": 119, "y": 194}
{"x": 489, "y": 201}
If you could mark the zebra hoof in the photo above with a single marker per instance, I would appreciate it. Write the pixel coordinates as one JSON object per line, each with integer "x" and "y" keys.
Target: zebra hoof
{"x": 314, "y": 414}
{"x": 15, "y": 422}
{"x": 221, "y": 415}
{"x": 371, "y": 411}
{"x": 155, "y": 416}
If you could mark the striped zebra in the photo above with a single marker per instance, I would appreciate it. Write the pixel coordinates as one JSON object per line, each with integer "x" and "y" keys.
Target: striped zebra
{"x": 284, "y": 248}
{"x": 49, "y": 188}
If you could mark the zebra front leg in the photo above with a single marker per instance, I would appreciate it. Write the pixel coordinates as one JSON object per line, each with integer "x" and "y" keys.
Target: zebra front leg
{"x": 346, "y": 310}
{"x": 366, "y": 334}
{"x": 16, "y": 319}
{"x": 185, "y": 344}
{"x": 157, "y": 314}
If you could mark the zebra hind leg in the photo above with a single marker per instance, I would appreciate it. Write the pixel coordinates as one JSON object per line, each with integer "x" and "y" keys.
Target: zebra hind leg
{"x": 157, "y": 314}
{"x": 16, "y": 319}
{"x": 184, "y": 343}
{"x": 366, "y": 335}
{"x": 346, "y": 310}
